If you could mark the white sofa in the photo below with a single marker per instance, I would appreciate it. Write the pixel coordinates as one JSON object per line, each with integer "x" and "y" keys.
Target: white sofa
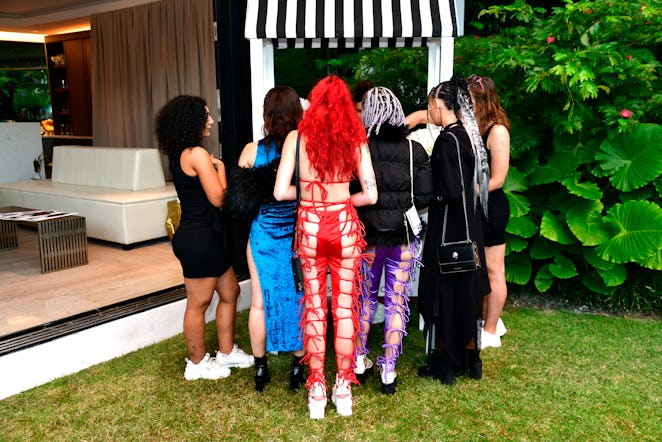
{"x": 120, "y": 191}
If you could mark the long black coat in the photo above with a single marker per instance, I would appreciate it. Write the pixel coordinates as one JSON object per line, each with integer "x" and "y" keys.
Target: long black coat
{"x": 452, "y": 302}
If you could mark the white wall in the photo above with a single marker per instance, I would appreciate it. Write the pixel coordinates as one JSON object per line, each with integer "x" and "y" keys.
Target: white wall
{"x": 20, "y": 144}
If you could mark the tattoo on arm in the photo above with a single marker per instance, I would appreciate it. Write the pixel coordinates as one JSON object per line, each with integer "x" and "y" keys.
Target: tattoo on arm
{"x": 370, "y": 184}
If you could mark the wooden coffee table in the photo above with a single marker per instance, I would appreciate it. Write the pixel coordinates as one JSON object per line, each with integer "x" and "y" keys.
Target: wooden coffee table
{"x": 62, "y": 241}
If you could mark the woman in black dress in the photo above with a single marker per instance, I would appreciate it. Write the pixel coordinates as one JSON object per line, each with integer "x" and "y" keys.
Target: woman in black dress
{"x": 494, "y": 126}
{"x": 198, "y": 242}
{"x": 451, "y": 303}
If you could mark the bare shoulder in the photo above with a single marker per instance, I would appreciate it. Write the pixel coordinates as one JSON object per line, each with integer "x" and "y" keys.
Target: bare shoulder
{"x": 247, "y": 157}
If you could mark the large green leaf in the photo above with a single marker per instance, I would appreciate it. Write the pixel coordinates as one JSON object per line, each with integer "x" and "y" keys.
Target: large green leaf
{"x": 638, "y": 227}
{"x": 562, "y": 267}
{"x": 591, "y": 256}
{"x": 518, "y": 268}
{"x": 585, "y": 221}
{"x": 653, "y": 262}
{"x": 634, "y": 159}
{"x": 555, "y": 230}
{"x": 522, "y": 226}
{"x": 515, "y": 181}
{"x": 519, "y": 204}
{"x": 559, "y": 166}
{"x": 614, "y": 276}
{"x": 589, "y": 191}
{"x": 595, "y": 283}
{"x": 543, "y": 280}
{"x": 543, "y": 248}
{"x": 515, "y": 243}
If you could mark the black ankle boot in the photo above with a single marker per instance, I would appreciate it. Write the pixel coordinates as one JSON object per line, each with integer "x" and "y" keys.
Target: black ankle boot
{"x": 296, "y": 373}
{"x": 431, "y": 369}
{"x": 474, "y": 364}
{"x": 446, "y": 371}
{"x": 261, "y": 375}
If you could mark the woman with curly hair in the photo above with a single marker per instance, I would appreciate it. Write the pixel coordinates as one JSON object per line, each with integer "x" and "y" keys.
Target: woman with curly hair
{"x": 201, "y": 184}
{"x": 331, "y": 143}
{"x": 273, "y": 320}
{"x": 494, "y": 126}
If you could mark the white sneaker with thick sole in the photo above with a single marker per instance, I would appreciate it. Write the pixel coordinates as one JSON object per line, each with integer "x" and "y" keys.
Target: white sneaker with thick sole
{"x": 316, "y": 401}
{"x": 207, "y": 368}
{"x": 236, "y": 358}
{"x": 488, "y": 339}
{"x": 342, "y": 397}
{"x": 501, "y": 329}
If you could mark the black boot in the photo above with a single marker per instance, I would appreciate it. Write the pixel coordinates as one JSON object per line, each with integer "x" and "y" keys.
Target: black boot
{"x": 296, "y": 373}
{"x": 432, "y": 368}
{"x": 261, "y": 375}
{"x": 474, "y": 364}
{"x": 446, "y": 371}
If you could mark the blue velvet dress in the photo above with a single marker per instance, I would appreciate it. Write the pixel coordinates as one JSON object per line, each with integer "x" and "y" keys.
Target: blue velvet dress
{"x": 271, "y": 242}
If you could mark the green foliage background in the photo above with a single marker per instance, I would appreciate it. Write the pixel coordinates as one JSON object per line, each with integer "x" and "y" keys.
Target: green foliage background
{"x": 580, "y": 81}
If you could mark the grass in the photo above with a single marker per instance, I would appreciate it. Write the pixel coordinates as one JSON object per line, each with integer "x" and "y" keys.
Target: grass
{"x": 558, "y": 376}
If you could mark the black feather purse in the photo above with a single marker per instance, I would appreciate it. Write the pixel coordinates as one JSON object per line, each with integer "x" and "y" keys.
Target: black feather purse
{"x": 249, "y": 189}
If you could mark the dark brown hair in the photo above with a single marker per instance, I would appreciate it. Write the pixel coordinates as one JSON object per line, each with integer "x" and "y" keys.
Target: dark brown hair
{"x": 487, "y": 106}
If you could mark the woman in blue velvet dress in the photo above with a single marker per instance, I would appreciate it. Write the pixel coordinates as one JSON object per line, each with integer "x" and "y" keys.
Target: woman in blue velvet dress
{"x": 273, "y": 320}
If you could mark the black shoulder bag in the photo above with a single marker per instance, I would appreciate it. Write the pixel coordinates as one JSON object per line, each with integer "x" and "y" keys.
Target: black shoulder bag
{"x": 460, "y": 256}
{"x": 297, "y": 272}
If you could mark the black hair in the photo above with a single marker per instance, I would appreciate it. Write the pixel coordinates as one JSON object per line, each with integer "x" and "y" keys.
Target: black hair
{"x": 180, "y": 124}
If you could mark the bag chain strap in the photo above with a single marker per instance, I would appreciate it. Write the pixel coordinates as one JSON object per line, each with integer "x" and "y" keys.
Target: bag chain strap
{"x": 464, "y": 200}
{"x": 296, "y": 180}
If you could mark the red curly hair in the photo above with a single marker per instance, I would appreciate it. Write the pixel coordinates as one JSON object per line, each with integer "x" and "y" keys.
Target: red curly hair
{"x": 332, "y": 130}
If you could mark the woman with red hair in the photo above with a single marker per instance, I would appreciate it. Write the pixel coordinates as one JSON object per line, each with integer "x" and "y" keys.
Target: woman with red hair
{"x": 332, "y": 150}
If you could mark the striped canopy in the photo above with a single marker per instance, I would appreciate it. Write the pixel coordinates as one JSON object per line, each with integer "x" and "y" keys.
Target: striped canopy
{"x": 351, "y": 23}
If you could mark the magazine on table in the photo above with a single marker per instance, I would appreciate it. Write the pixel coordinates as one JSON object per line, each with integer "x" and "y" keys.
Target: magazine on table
{"x": 33, "y": 215}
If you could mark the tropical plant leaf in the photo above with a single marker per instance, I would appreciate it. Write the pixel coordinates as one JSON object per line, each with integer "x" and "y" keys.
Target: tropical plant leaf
{"x": 555, "y": 230}
{"x": 591, "y": 256}
{"x": 544, "y": 279}
{"x": 653, "y": 262}
{"x": 522, "y": 226}
{"x": 658, "y": 186}
{"x": 519, "y": 205}
{"x": 559, "y": 166}
{"x": 562, "y": 267}
{"x": 614, "y": 276}
{"x": 515, "y": 181}
{"x": 515, "y": 244}
{"x": 543, "y": 248}
{"x": 638, "y": 227}
{"x": 518, "y": 268}
{"x": 634, "y": 159}
{"x": 589, "y": 191}
{"x": 594, "y": 283}
{"x": 584, "y": 219}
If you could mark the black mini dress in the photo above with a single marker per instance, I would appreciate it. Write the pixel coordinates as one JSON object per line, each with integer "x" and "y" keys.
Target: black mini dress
{"x": 198, "y": 241}
{"x": 498, "y": 210}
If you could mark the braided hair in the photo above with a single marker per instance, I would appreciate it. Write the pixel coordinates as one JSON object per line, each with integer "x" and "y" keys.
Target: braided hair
{"x": 381, "y": 106}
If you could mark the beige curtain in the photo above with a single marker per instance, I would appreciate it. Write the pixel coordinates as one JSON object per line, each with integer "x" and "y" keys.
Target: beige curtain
{"x": 144, "y": 56}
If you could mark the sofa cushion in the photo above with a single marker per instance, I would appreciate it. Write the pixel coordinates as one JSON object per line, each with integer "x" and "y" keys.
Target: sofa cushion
{"x": 110, "y": 167}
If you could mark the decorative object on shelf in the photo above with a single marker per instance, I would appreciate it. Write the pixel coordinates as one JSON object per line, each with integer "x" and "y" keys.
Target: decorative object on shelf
{"x": 58, "y": 60}
{"x": 36, "y": 163}
{"x": 47, "y": 127}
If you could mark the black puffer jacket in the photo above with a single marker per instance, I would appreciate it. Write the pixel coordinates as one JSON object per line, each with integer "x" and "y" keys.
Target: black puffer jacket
{"x": 389, "y": 150}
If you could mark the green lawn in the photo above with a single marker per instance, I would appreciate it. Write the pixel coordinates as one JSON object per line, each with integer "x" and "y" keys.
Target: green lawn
{"x": 558, "y": 376}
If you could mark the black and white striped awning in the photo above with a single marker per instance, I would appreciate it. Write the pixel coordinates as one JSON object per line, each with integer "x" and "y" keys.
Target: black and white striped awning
{"x": 351, "y": 23}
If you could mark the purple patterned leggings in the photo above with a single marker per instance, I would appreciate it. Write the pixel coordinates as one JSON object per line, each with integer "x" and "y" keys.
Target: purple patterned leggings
{"x": 397, "y": 263}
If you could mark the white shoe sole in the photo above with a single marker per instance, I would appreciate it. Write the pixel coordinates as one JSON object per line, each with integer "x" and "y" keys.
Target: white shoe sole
{"x": 343, "y": 404}
{"x": 316, "y": 408}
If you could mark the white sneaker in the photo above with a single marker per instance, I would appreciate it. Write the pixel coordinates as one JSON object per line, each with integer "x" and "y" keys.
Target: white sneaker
{"x": 237, "y": 358}
{"x": 501, "y": 329}
{"x": 379, "y": 316}
{"x": 316, "y": 401}
{"x": 388, "y": 377}
{"x": 488, "y": 339}
{"x": 363, "y": 364}
{"x": 342, "y": 397}
{"x": 207, "y": 368}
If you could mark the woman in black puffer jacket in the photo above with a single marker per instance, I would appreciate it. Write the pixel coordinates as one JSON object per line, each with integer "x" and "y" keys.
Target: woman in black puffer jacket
{"x": 392, "y": 246}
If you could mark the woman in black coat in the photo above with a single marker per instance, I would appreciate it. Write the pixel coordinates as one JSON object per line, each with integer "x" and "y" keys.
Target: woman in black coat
{"x": 451, "y": 303}
{"x": 403, "y": 176}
